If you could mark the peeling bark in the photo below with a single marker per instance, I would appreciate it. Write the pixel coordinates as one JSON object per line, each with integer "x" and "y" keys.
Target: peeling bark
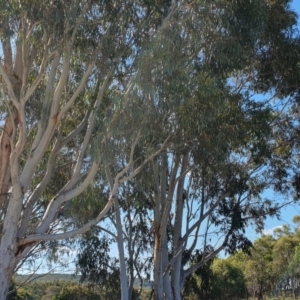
{"x": 5, "y": 151}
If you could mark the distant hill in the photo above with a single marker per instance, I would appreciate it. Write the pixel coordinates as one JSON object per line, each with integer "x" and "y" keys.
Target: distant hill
{"x": 46, "y": 277}
{"x": 20, "y": 278}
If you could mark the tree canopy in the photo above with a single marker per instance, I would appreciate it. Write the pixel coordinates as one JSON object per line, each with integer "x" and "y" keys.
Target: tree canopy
{"x": 145, "y": 109}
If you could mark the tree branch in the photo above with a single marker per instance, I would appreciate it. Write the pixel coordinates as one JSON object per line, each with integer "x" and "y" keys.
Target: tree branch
{"x": 59, "y": 236}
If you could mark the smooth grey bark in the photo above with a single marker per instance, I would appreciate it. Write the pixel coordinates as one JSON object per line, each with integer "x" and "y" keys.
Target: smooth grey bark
{"x": 176, "y": 273}
{"x": 168, "y": 294}
{"x": 9, "y": 233}
{"x": 169, "y": 275}
{"x": 131, "y": 260}
{"x": 163, "y": 204}
{"x": 8, "y": 242}
{"x": 120, "y": 243}
{"x": 158, "y": 251}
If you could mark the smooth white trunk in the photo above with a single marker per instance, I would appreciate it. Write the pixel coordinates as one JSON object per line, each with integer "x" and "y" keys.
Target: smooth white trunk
{"x": 163, "y": 204}
{"x": 120, "y": 242}
{"x": 176, "y": 274}
{"x": 8, "y": 243}
{"x": 162, "y": 282}
{"x": 168, "y": 295}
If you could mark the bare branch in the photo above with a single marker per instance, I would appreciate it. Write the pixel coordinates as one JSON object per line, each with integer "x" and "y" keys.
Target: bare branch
{"x": 69, "y": 234}
{"x": 207, "y": 258}
{"x": 65, "y": 196}
{"x": 46, "y": 102}
{"x": 207, "y": 213}
{"x": 107, "y": 231}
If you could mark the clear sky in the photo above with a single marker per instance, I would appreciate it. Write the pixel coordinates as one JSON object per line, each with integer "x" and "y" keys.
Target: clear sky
{"x": 296, "y": 6}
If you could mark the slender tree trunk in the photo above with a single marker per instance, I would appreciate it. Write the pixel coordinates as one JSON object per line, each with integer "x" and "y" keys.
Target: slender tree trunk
{"x": 158, "y": 275}
{"x": 293, "y": 286}
{"x": 130, "y": 245}
{"x": 176, "y": 274}
{"x": 120, "y": 242}
{"x": 131, "y": 284}
{"x": 166, "y": 278}
{"x": 157, "y": 267}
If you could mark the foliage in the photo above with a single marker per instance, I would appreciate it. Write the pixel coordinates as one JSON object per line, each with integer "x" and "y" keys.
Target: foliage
{"x": 146, "y": 106}
{"x": 259, "y": 267}
{"x": 219, "y": 279}
{"x": 78, "y": 292}
{"x": 201, "y": 283}
{"x": 64, "y": 289}
{"x": 271, "y": 267}
{"x": 96, "y": 267}
{"x": 230, "y": 281}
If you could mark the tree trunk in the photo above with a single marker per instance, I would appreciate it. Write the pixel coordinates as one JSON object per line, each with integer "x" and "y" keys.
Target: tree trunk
{"x": 176, "y": 274}
{"x": 162, "y": 283}
{"x": 157, "y": 268}
{"x": 168, "y": 294}
{"x": 163, "y": 204}
{"x": 120, "y": 242}
{"x": 10, "y": 207}
{"x": 8, "y": 241}
{"x": 158, "y": 276}
{"x": 130, "y": 245}
{"x": 5, "y": 151}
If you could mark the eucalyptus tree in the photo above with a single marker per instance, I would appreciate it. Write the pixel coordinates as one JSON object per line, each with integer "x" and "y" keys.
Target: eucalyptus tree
{"x": 113, "y": 86}
{"x": 214, "y": 171}
{"x": 286, "y": 256}
{"x": 98, "y": 268}
{"x": 229, "y": 282}
{"x": 207, "y": 187}
{"x": 66, "y": 82}
{"x": 205, "y": 195}
{"x": 135, "y": 230}
{"x": 259, "y": 272}
{"x": 283, "y": 260}
{"x": 221, "y": 146}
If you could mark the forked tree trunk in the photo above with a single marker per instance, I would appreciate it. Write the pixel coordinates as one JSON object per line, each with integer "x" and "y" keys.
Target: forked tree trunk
{"x": 10, "y": 207}
{"x": 176, "y": 274}
{"x": 163, "y": 204}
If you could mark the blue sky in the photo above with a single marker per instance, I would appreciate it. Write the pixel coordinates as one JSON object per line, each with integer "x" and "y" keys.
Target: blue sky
{"x": 296, "y": 6}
